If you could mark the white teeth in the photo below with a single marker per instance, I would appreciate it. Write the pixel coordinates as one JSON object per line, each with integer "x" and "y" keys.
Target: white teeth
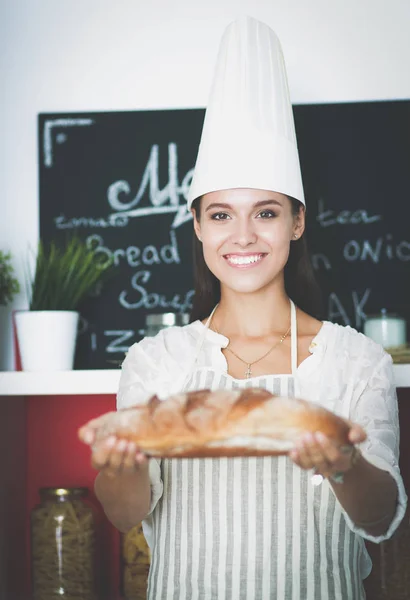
{"x": 244, "y": 260}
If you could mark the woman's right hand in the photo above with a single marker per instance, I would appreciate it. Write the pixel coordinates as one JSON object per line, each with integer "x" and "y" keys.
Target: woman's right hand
{"x": 122, "y": 485}
{"x": 113, "y": 456}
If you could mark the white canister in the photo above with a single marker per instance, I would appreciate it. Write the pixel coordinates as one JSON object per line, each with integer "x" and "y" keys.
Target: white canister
{"x": 388, "y": 330}
{"x": 155, "y": 322}
{"x": 47, "y": 339}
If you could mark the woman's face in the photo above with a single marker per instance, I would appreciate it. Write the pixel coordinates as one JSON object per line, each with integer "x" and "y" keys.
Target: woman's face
{"x": 246, "y": 236}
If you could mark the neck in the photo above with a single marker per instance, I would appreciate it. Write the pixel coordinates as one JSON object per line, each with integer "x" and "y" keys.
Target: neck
{"x": 252, "y": 315}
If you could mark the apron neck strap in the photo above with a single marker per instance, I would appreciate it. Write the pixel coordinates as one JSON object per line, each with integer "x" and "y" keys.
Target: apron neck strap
{"x": 209, "y": 319}
{"x": 198, "y": 346}
{"x": 293, "y": 339}
{"x": 293, "y": 336}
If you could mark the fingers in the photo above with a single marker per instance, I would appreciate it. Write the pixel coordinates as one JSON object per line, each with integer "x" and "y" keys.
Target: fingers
{"x": 118, "y": 455}
{"x": 130, "y": 450}
{"x": 133, "y": 457}
{"x": 101, "y": 453}
{"x": 87, "y": 432}
{"x": 112, "y": 455}
{"x": 329, "y": 450}
{"x": 337, "y": 459}
{"x": 115, "y": 456}
{"x": 316, "y": 451}
{"x": 357, "y": 434}
{"x": 86, "y": 435}
{"x": 308, "y": 454}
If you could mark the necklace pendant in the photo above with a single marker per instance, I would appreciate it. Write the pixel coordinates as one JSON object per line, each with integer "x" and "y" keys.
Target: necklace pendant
{"x": 248, "y": 373}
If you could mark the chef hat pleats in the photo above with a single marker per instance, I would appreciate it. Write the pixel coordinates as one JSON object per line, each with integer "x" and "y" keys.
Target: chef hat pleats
{"x": 248, "y": 138}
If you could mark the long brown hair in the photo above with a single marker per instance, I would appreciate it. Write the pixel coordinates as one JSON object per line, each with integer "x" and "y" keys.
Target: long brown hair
{"x": 300, "y": 283}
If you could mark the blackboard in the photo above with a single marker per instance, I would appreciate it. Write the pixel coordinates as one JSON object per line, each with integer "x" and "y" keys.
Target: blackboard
{"x": 120, "y": 180}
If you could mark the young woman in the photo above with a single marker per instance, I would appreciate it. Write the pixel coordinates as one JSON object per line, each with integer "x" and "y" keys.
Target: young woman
{"x": 259, "y": 528}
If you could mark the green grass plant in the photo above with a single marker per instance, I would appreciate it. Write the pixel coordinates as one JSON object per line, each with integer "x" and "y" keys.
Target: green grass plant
{"x": 64, "y": 275}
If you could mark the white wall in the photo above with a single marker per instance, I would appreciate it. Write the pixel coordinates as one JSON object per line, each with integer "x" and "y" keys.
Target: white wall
{"x": 86, "y": 55}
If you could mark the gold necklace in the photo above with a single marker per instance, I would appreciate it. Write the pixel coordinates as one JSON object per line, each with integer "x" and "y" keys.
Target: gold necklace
{"x": 248, "y": 373}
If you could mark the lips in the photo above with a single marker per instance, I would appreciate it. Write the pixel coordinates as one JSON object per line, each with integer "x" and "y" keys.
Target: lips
{"x": 244, "y": 260}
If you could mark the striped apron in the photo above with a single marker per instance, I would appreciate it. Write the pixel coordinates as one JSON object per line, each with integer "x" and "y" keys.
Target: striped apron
{"x": 250, "y": 528}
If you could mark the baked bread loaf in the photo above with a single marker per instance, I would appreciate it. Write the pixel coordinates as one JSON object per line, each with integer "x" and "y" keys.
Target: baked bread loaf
{"x": 246, "y": 422}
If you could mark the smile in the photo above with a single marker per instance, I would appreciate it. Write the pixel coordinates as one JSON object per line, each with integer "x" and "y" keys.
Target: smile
{"x": 244, "y": 260}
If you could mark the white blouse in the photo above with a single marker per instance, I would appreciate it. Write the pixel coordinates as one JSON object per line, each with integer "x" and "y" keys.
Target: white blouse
{"x": 346, "y": 373}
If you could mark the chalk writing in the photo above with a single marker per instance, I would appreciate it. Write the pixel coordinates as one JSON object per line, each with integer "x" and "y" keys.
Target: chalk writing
{"x": 144, "y": 299}
{"x": 133, "y": 255}
{"x": 336, "y": 310}
{"x": 61, "y": 222}
{"x": 49, "y": 125}
{"x": 382, "y": 247}
{"x": 321, "y": 259}
{"x": 166, "y": 200}
{"x": 117, "y": 344}
{"x": 345, "y": 217}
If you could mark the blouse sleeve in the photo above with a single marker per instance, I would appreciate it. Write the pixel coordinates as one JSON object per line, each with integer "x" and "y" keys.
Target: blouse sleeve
{"x": 145, "y": 372}
{"x": 149, "y": 368}
{"x": 376, "y": 410}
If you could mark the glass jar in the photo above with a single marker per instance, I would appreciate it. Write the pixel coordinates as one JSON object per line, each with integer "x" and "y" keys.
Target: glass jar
{"x": 63, "y": 546}
{"x": 387, "y": 329}
{"x": 155, "y": 322}
{"x": 135, "y": 559}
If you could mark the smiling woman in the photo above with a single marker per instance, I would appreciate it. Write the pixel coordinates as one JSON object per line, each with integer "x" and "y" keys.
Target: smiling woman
{"x": 300, "y": 282}
{"x": 255, "y": 527}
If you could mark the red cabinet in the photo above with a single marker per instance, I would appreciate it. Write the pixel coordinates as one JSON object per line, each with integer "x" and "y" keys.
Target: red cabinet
{"x": 39, "y": 447}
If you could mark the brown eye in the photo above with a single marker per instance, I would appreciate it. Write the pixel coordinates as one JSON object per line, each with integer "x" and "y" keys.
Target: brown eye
{"x": 220, "y": 216}
{"x": 267, "y": 214}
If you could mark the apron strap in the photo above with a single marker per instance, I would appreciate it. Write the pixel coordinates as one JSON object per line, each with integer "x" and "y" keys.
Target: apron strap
{"x": 293, "y": 342}
{"x": 209, "y": 319}
{"x": 202, "y": 337}
{"x": 198, "y": 347}
{"x": 293, "y": 339}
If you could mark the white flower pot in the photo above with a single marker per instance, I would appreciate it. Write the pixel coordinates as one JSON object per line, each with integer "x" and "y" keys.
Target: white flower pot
{"x": 47, "y": 339}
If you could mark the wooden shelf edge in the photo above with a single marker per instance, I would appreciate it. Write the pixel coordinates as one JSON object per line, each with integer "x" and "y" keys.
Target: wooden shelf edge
{"x": 98, "y": 382}
{"x": 402, "y": 375}
{"x": 58, "y": 383}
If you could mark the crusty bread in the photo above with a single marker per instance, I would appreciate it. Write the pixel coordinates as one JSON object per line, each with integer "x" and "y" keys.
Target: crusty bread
{"x": 246, "y": 422}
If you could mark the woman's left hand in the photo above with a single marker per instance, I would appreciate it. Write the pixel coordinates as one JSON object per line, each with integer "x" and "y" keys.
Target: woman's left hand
{"x": 318, "y": 452}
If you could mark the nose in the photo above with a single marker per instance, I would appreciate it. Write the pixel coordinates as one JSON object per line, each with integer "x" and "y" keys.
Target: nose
{"x": 245, "y": 234}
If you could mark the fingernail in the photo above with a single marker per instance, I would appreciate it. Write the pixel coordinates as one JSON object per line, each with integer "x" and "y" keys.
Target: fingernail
{"x": 320, "y": 436}
{"x": 88, "y": 437}
{"x": 122, "y": 444}
{"x": 110, "y": 441}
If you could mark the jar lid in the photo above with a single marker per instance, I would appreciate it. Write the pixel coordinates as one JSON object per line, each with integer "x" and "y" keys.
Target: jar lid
{"x": 383, "y": 314}
{"x": 63, "y": 492}
{"x": 167, "y": 319}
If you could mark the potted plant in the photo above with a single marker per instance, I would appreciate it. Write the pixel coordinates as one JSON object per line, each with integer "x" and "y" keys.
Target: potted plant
{"x": 63, "y": 276}
{"x": 9, "y": 286}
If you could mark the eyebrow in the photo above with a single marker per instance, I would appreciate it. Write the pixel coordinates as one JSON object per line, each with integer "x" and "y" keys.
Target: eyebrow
{"x": 256, "y": 205}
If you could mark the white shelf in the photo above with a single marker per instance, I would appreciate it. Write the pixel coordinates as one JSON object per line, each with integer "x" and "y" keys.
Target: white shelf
{"x": 13, "y": 383}
{"x": 402, "y": 375}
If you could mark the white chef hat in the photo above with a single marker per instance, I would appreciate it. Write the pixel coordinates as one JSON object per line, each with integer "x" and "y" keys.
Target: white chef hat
{"x": 248, "y": 137}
